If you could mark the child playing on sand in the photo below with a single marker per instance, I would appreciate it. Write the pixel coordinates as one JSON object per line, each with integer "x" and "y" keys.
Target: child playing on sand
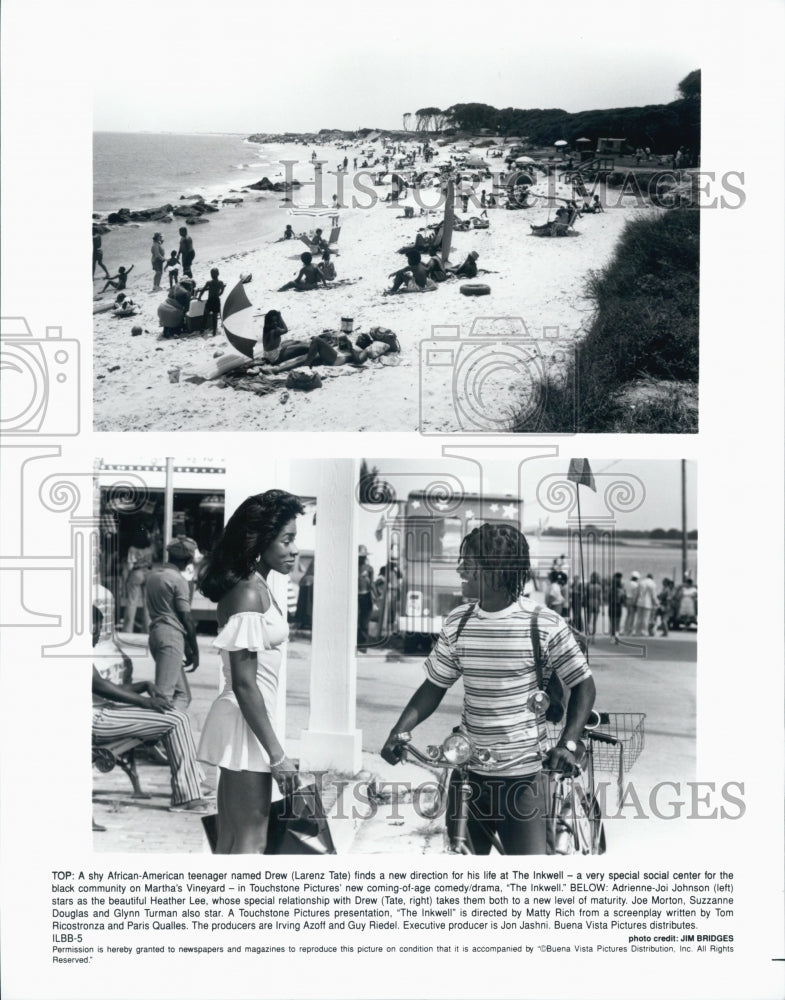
{"x": 173, "y": 267}
{"x": 308, "y": 278}
{"x": 215, "y": 289}
{"x": 288, "y": 234}
{"x": 118, "y": 281}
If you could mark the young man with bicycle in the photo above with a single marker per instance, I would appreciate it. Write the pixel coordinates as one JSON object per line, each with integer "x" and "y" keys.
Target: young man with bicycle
{"x": 490, "y": 643}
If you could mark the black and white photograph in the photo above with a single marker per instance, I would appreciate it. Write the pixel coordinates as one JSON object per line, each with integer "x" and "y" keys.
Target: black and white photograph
{"x": 424, "y": 587}
{"x": 562, "y": 246}
{"x": 368, "y": 583}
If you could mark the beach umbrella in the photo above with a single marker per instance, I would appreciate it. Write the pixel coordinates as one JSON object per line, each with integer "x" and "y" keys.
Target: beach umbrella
{"x": 560, "y": 142}
{"x": 524, "y": 159}
{"x": 582, "y": 139}
{"x": 237, "y": 321}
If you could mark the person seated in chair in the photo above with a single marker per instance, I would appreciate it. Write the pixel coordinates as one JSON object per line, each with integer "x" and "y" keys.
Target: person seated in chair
{"x": 556, "y": 225}
{"x": 140, "y": 710}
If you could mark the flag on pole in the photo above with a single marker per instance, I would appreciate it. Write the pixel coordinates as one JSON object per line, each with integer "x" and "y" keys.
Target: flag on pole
{"x": 580, "y": 473}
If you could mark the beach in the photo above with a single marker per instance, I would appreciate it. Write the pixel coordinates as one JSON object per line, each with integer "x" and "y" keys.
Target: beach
{"x": 537, "y": 304}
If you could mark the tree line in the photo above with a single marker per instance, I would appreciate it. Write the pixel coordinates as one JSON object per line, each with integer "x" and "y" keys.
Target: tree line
{"x": 661, "y": 127}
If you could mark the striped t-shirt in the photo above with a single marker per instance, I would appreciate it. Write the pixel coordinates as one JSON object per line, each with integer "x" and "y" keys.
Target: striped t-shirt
{"x": 495, "y": 658}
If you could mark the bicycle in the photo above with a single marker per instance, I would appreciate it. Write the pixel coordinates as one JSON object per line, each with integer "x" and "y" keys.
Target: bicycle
{"x": 574, "y": 820}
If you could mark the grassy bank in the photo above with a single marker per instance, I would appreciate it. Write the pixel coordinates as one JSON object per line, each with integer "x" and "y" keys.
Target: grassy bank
{"x": 636, "y": 370}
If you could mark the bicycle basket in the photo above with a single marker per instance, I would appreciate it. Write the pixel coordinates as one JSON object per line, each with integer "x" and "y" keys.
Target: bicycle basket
{"x": 627, "y": 727}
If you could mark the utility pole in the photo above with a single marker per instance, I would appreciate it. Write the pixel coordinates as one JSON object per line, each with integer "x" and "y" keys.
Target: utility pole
{"x": 168, "y": 503}
{"x": 683, "y": 518}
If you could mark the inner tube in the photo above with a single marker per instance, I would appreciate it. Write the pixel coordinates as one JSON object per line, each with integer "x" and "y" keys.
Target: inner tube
{"x": 475, "y": 288}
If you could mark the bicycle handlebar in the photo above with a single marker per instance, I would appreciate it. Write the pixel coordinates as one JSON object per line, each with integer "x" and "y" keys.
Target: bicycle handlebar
{"x": 435, "y": 757}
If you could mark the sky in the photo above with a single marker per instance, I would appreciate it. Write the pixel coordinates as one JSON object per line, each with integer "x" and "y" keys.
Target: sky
{"x": 656, "y": 483}
{"x": 243, "y": 66}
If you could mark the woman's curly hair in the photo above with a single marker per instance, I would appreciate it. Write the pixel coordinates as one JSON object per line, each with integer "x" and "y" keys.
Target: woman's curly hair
{"x": 502, "y": 552}
{"x": 249, "y": 531}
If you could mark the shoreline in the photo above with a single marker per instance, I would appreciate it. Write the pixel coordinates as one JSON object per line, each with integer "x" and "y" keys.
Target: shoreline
{"x": 537, "y": 292}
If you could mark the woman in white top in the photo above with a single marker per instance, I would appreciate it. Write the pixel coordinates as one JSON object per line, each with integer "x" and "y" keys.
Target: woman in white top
{"x": 238, "y": 735}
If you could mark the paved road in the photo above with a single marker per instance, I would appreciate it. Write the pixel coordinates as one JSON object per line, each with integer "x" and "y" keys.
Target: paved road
{"x": 654, "y": 676}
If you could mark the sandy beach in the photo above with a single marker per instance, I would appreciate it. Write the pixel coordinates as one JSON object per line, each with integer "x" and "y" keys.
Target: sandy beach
{"x": 538, "y": 281}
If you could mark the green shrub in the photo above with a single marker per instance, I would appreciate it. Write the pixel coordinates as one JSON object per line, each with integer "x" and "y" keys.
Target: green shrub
{"x": 645, "y": 325}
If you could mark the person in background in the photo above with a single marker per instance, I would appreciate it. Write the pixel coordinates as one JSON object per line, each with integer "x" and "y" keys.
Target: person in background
{"x": 173, "y": 268}
{"x": 186, "y": 254}
{"x": 138, "y": 564}
{"x": 630, "y": 603}
{"x": 118, "y": 281}
{"x": 576, "y": 603}
{"x": 173, "y": 642}
{"x": 616, "y": 601}
{"x": 554, "y": 595}
{"x": 98, "y": 254}
{"x": 593, "y": 603}
{"x": 215, "y": 289}
{"x": 307, "y": 279}
{"x": 665, "y": 604}
{"x": 326, "y": 266}
{"x": 141, "y": 710}
{"x": 646, "y": 606}
{"x": 157, "y": 258}
{"x": 366, "y": 595}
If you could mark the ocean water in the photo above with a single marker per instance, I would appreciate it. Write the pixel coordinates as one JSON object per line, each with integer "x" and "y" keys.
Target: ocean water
{"x": 146, "y": 169}
{"x": 630, "y": 555}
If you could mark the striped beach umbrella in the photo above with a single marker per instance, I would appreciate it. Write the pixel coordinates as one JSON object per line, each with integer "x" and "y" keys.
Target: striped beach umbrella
{"x": 237, "y": 321}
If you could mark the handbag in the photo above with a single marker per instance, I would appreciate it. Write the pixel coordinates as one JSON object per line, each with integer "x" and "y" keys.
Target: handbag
{"x": 297, "y": 825}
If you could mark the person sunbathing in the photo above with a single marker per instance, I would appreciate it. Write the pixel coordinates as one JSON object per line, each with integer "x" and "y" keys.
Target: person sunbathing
{"x": 468, "y": 269}
{"x": 431, "y": 241}
{"x": 596, "y": 206}
{"x": 434, "y": 267}
{"x": 412, "y": 278}
{"x": 308, "y": 278}
{"x": 334, "y": 350}
{"x": 273, "y": 349}
{"x": 556, "y": 225}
